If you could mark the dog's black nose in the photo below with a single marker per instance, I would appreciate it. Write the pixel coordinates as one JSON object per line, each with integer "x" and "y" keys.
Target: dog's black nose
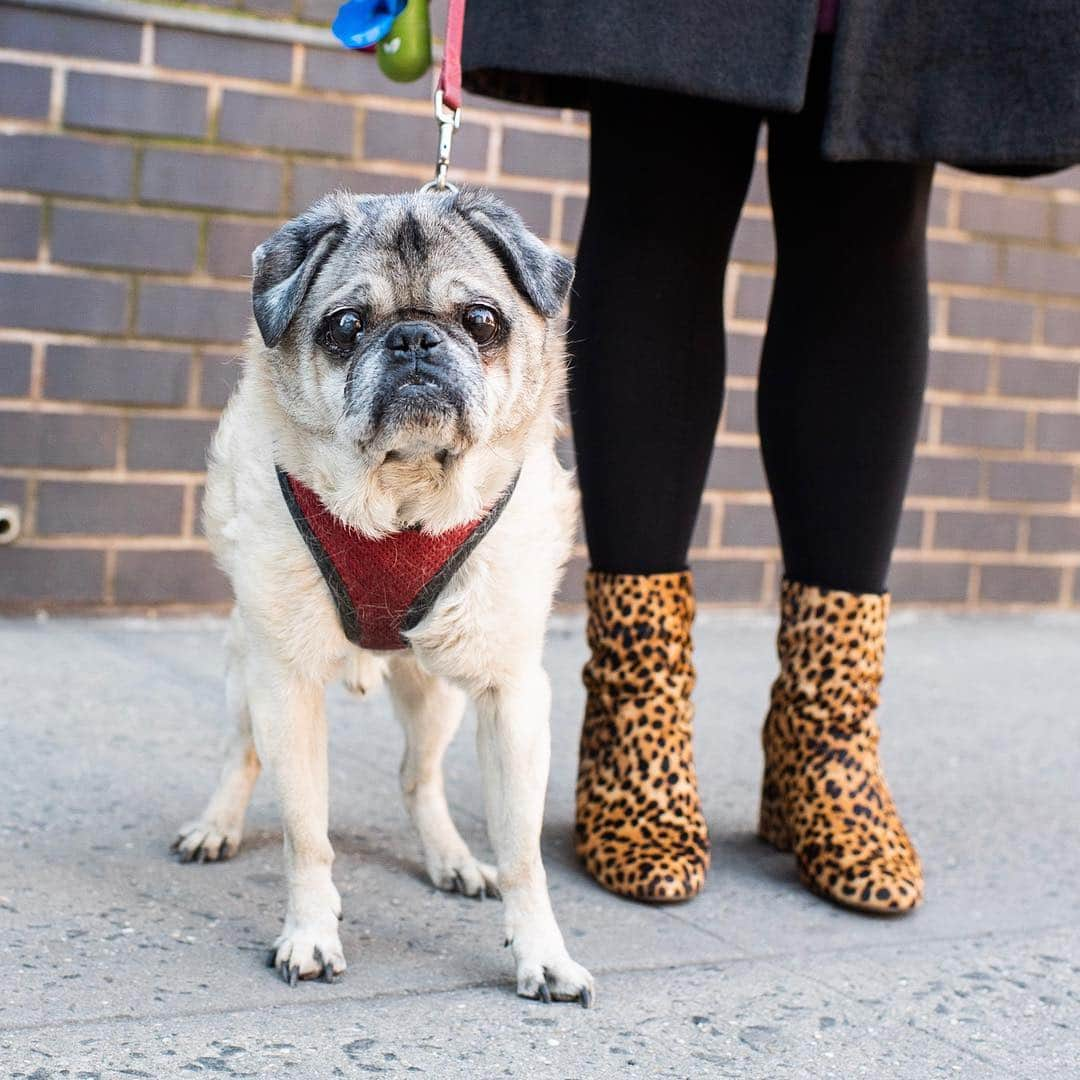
{"x": 413, "y": 340}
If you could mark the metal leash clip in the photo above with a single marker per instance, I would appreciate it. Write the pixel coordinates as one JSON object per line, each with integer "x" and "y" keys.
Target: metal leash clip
{"x": 449, "y": 120}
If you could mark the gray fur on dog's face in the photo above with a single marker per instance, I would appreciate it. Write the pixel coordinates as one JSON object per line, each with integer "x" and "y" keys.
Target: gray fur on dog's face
{"x": 411, "y": 323}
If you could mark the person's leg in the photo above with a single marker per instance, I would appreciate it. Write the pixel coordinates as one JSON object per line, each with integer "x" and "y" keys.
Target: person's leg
{"x": 668, "y": 175}
{"x": 646, "y": 386}
{"x": 843, "y": 366}
{"x": 839, "y": 399}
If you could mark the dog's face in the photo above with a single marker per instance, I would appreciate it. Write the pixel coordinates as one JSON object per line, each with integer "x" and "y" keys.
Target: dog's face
{"x": 411, "y": 324}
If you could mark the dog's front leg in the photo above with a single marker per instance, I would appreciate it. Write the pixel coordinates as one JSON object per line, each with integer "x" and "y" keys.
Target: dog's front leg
{"x": 514, "y": 740}
{"x": 289, "y": 724}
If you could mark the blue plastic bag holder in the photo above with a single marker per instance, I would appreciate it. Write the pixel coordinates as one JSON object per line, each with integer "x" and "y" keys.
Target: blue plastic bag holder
{"x": 362, "y": 24}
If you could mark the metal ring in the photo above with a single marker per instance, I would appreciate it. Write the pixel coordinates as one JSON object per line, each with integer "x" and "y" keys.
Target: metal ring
{"x": 433, "y": 185}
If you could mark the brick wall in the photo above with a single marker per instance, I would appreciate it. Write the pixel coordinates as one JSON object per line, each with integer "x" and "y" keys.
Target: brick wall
{"x": 140, "y": 162}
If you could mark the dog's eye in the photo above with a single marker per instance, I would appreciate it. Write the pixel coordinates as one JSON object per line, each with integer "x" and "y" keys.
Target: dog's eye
{"x": 343, "y": 328}
{"x": 481, "y": 323}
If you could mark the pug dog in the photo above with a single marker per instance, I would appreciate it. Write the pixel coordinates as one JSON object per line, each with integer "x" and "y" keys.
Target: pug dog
{"x": 384, "y": 496}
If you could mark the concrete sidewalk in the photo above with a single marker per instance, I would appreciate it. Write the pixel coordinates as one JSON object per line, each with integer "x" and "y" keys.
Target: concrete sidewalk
{"x": 116, "y": 960}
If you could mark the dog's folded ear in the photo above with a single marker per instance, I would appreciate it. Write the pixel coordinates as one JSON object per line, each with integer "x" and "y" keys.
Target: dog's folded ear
{"x": 285, "y": 265}
{"x": 541, "y": 275}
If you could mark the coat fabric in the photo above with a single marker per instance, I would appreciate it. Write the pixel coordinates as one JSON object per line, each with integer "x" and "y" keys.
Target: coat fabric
{"x": 992, "y": 85}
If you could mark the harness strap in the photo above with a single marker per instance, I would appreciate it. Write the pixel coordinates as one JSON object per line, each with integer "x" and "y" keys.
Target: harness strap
{"x": 382, "y": 587}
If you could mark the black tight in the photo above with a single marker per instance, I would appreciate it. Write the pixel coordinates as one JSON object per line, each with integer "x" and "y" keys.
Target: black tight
{"x": 844, "y": 361}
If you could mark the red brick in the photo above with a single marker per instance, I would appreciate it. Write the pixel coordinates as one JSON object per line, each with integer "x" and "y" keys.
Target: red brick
{"x": 1020, "y": 377}
{"x": 113, "y": 373}
{"x": 944, "y": 476}
{"x": 1005, "y": 320}
{"x": 398, "y": 137}
{"x": 24, "y": 91}
{"x": 976, "y": 532}
{"x": 743, "y": 354}
{"x": 229, "y": 245}
{"x": 1030, "y": 481}
{"x": 67, "y": 33}
{"x": 15, "y": 357}
{"x": 156, "y": 442}
{"x": 222, "y": 54}
{"x": 41, "y": 575}
{"x": 311, "y": 182}
{"x": 117, "y": 509}
{"x": 62, "y": 165}
{"x": 116, "y": 239}
{"x": 1067, "y": 229}
{"x": 573, "y": 218}
{"x": 1036, "y": 270}
{"x": 1054, "y": 533}
{"x": 736, "y": 468}
{"x": 749, "y": 525}
{"x": 1004, "y": 215}
{"x": 193, "y": 312}
{"x": 961, "y": 371}
{"x": 20, "y": 225}
{"x": 754, "y": 242}
{"x": 968, "y": 263}
{"x": 163, "y": 577}
{"x": 58, "y": 440}
{"x": 1020, "y": 584}
{"x": 139, "y": 106}
{"x": 909, "y": 534}
{"x": 740, "y": 411}
{"x": 286, "y": 122}
{"x": 1058, "y": 431}
{"x": 926, "y": 582}
{"x": 753, "y": 295}
{"x": 213, "y": 181}
{"x": 729, "y": 580}
{"x": 535, "y": 153}
{"x": 1062, "y": 327}
{"x": 1002, "y": 428}
{"x": 86, "y": 305}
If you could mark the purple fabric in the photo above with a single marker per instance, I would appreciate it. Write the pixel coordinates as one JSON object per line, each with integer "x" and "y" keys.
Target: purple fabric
{"x": 826, "y": 19}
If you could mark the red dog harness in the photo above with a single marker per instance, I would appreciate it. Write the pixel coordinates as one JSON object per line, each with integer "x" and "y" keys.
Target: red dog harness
{"x": 382, "y": 587}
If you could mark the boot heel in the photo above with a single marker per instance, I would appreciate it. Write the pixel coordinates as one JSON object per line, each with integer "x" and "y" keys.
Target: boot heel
{"x": 772, "y": 822}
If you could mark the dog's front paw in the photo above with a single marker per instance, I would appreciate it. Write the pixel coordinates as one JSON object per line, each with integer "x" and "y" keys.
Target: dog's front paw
{"x": 459, "y": 872}
{"x": 206, "y": 841}
{"x": 304, "y": 952}
{"x": 552, "y": 976}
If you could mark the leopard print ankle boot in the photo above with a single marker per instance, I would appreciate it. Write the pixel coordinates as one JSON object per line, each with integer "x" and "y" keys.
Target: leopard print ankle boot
{"x": 824, "y": 795}
{"x": 640, "y": 830}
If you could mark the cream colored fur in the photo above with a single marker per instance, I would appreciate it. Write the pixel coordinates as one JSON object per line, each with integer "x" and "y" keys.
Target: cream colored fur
{"x": 483, "y": 641}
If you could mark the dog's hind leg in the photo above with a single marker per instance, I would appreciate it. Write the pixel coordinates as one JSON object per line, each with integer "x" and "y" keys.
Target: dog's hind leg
{"x": 430, "y": 711}
{"x": 216, "y": 833}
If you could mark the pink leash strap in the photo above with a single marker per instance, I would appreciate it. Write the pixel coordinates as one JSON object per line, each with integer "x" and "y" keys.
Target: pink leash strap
{"x": 450, "y": 75}
{"x": 448, "y": 96}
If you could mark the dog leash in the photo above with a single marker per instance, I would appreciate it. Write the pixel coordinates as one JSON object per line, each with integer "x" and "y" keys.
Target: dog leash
{"x": 448, "y": 95}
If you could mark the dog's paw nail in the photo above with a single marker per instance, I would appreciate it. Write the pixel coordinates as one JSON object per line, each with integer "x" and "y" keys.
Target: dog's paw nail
{"x": 586, "y": 998}
{"x": 271, "y": 958}
{"x": 545, "y": 993}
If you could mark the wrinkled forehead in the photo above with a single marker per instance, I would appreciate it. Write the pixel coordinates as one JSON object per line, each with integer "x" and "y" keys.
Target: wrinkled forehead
{"x": 399, "y": 254}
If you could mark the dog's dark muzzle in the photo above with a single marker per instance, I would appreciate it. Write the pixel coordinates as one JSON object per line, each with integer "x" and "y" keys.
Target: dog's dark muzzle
{"x": 420, "y": 376}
